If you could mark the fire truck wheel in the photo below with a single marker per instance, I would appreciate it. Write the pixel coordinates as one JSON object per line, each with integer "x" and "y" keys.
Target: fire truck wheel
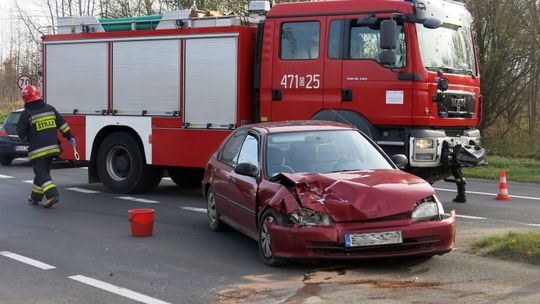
{"x": 186, "y": 178}
{"x": 121, "y": 165}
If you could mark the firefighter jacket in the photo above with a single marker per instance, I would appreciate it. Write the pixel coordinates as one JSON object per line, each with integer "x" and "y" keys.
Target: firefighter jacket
{"x": 37, "y": 125}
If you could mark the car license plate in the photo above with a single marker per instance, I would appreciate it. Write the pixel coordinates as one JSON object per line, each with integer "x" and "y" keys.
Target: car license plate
{"x": 373, "y": 238}
{"x": 21, "y": 148}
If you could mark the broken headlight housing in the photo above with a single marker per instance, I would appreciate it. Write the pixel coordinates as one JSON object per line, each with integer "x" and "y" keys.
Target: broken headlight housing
{"x": 429, "y": 208}
{"x": 308, "y": 217}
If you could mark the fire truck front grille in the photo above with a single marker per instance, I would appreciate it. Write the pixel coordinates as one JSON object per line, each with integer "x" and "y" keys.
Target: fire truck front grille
{"x": 457, "y": 105}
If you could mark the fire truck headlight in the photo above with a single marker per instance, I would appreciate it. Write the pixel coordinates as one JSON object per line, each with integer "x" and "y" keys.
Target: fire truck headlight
{"x": 423, "y": 143}
{"x": 424, "y": 149}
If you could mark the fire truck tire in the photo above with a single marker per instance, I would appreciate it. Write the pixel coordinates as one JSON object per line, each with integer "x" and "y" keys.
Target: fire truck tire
{"x": 186, "y": 178}
{"x": 121, "y": 165}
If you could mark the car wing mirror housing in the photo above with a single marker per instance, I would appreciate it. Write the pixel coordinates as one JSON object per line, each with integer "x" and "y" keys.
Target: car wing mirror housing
{"x": 400, "y": 160}
{"x": 246, "y": 169}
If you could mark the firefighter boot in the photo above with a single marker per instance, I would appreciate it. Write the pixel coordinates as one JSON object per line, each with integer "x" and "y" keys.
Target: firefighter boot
{"x": 51, "y": 201}
{"x": 32, "y": 201}
{"x": 460, "y": 198}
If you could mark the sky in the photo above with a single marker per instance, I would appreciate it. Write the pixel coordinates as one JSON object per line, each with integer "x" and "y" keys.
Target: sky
{"x": 8, "y": 15}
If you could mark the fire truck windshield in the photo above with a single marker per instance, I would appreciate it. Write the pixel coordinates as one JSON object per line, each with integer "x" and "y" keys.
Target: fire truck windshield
{"x": 448, "y": 49}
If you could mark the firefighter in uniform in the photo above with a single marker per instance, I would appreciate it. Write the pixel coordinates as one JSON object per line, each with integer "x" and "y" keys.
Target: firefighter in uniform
{"x": 37, "y": 125}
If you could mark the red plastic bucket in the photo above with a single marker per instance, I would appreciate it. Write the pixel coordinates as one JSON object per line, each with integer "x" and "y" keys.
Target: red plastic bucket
{"x": 142, "y": 221}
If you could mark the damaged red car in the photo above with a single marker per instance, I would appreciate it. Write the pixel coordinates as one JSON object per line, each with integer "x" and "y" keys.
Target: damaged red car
{"x": 313, "y": 189}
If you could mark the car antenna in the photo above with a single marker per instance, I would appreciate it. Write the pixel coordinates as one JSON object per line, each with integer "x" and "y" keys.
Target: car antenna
{"x": 342, "y": 118}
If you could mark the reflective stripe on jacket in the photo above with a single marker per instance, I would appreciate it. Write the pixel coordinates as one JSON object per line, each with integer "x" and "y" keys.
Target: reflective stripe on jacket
{"x": 37, "y": 125}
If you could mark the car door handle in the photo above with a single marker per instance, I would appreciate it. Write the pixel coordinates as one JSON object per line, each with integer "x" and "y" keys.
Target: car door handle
{"x": 231, "y": 179}
{"x": 346, "y": 94}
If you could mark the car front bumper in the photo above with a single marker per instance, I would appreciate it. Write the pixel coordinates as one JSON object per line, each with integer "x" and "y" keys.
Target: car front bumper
{"x": 419, "y": 238}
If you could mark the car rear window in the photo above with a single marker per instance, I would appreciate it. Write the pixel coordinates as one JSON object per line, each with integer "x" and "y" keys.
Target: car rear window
{"x": 13, "y": 118}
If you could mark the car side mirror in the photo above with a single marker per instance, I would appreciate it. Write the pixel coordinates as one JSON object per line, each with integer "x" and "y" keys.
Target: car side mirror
{"x": 400, "y": 160}
{"x": 246, "y": 169}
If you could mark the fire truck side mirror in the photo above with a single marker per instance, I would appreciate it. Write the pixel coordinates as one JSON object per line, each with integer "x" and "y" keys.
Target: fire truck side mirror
{"x": 432, "y": 23}
{"x": 387, "y": 57}
{"x": 388, "y": 34}
{"x": 442, "y": 84}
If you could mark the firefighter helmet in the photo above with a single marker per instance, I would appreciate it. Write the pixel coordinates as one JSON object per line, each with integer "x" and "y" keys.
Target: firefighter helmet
{"x": 30, "y": 93}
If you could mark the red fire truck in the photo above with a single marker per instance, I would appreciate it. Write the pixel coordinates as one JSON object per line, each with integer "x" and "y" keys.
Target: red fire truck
{"x": 149, "y": 94}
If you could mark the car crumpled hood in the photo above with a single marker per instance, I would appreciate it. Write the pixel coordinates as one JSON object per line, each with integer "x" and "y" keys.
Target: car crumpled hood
{"x": 360, "y": 195}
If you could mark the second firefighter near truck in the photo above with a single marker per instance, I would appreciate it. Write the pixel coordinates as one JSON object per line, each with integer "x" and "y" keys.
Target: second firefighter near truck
{"x": 38, "y": 125}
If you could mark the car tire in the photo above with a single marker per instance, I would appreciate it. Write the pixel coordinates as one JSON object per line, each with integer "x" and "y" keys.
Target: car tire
{"x": 212, "y": 212}
{"x": 265, "y": 250}
{"x": 121, "y": 165}
{"x": 186, "y": 178}
{"x": 5, "y": 160}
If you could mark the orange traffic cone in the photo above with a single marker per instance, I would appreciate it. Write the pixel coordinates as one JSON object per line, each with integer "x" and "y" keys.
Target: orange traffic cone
{"x": 503, "y": 188}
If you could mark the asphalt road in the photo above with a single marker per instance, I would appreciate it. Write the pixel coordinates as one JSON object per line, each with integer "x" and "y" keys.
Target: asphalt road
{"x": 81, "y": 251}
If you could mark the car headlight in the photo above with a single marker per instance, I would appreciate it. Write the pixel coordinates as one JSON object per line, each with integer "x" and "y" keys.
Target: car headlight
{"x": 428, "y": 209}
{"x": 308, "y": 217}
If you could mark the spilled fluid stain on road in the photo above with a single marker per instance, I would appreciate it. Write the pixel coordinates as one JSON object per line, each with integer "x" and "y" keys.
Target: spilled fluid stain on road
{"x": 316, "y": 287}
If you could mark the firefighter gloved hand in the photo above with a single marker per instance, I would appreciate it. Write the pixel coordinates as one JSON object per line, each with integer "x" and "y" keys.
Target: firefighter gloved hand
{"x": 73, "y": 142}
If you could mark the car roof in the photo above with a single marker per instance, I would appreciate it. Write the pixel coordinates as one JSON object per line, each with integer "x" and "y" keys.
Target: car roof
{"x": 298, "y": 125}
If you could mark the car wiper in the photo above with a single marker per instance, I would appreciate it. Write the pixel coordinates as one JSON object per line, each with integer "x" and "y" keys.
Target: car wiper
{"x": 343, "y": 170}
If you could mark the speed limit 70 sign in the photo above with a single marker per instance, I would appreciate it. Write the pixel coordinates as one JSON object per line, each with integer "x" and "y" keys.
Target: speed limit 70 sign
{"x": 23, "y": 81}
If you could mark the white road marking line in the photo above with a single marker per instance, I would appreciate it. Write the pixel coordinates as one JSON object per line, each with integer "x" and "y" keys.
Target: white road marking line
{"x": 470, "y": 217}
{"x": 130, "y": 294}
{"x": 491, "y": 194}
{"x": 530, "y": 225}
{"x": 26, "y": 260}
{"x": 200, "y": 210}
{"x": 168, "y": 178}
{"x": 5, "y": 176}
{"x": 139, "y": 200}
{"x": 28, "y": 181}
{"x": 81, "y": 190}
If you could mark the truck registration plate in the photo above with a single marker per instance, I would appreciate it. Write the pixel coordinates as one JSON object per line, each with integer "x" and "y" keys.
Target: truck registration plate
{"x": 373, "y": 238}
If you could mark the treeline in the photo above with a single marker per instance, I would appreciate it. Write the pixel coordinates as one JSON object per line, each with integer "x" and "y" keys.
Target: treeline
{"x": 507, "y": 32}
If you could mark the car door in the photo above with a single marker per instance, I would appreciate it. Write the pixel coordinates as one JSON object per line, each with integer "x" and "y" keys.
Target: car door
{"x": 222, "y": 170}
{"x": 243, "y": 189}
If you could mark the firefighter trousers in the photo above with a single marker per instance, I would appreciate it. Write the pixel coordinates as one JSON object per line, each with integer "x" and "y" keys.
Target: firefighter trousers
{"x": 43, "y": 184}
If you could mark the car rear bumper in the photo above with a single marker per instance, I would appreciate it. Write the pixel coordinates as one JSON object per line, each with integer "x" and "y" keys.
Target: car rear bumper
{"x": 9, "y": 148}
{"x": 420, "y": 238}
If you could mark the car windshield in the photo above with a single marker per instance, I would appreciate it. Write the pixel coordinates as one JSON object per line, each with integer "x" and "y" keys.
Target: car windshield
{"x": 448, "y": 49}
{"x": 13, "y": 118}
{"x": 321, "y": 152}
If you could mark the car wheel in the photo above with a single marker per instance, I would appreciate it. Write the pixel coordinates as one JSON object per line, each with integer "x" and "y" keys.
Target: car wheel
{"x": 265, "y": 248}
{"x": 5, "y": 160}
{"x": 212, "y": 212}
{"x": 121, "y": 165}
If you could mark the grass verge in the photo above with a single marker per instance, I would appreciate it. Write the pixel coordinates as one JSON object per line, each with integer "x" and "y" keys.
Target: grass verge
{"x": 3, "y": 115}
{"x": 517, "y": 169}
{"x": 514, "y": 246}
